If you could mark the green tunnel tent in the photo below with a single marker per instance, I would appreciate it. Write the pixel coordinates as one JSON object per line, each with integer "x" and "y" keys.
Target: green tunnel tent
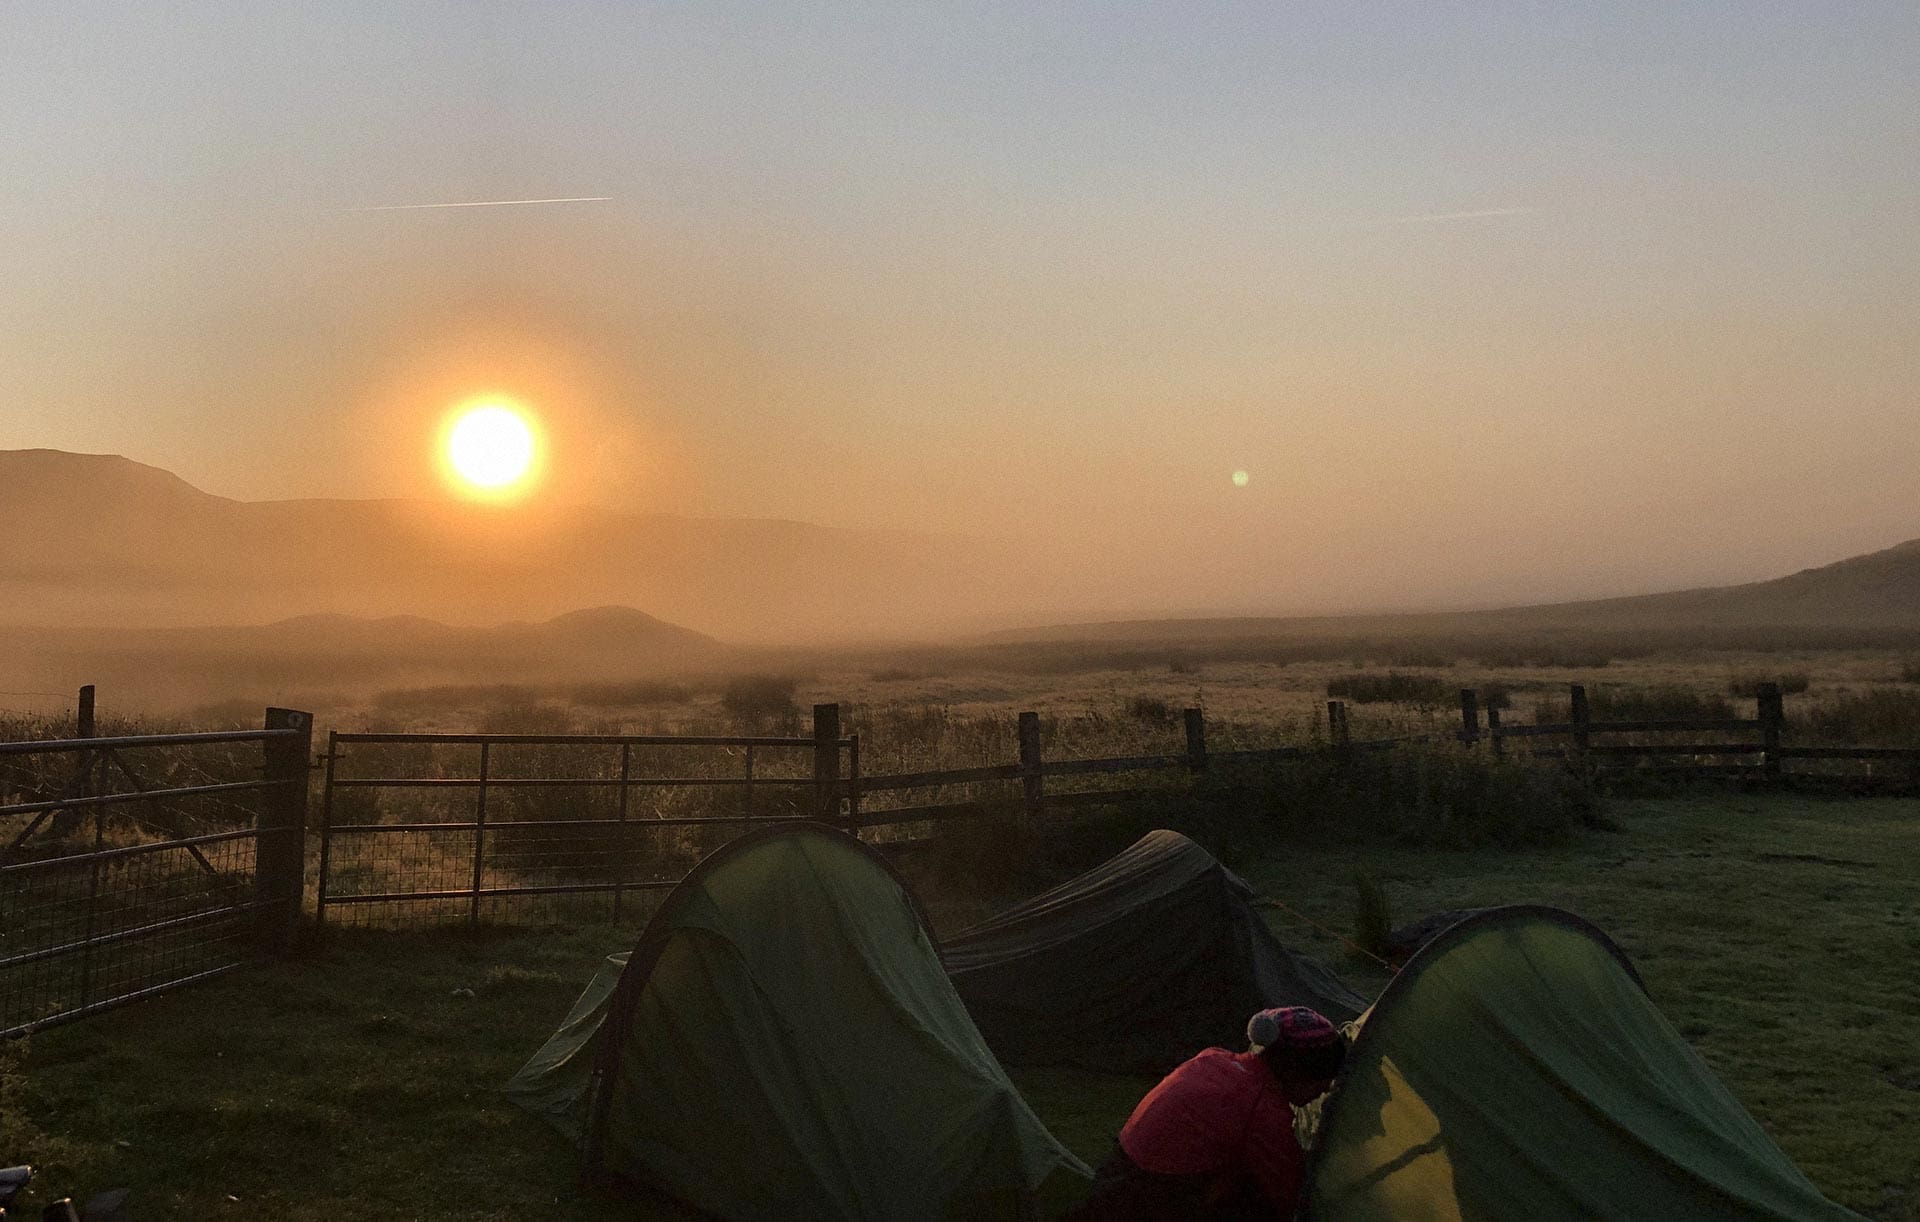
{"x": 783, "y": 1043}
{"x": 554, "y": 1082}
{"x": 1516, "y": 1069}
{"x": 1137, "y": 964}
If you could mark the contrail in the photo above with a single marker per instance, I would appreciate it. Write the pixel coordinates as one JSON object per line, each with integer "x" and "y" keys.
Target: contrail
{"x": 1419, "y": 218}
{"x": 486, "y": 203}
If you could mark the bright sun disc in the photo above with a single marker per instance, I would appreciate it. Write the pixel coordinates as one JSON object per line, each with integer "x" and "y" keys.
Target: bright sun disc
{"x": 491, "y": 447}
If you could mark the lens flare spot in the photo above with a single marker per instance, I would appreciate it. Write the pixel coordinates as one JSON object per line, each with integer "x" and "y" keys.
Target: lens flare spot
{"x": 1239, "y": 479}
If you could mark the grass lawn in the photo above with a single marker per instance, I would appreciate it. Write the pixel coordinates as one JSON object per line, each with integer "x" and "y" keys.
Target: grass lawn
{"x": 359, "y": 1082}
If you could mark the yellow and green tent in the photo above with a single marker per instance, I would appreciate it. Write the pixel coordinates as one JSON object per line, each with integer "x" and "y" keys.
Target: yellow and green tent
{"x": 1516, "y": 1069}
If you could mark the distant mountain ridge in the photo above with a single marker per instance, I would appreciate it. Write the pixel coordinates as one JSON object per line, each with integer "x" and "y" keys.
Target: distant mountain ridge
{"x": 103, "y": 540}
{"x": 609, "y": 628}
{"x": 1875, "y": 591}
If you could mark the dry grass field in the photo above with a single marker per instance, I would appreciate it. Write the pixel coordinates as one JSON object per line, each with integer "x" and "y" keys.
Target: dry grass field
{"x": 913, "y": 716}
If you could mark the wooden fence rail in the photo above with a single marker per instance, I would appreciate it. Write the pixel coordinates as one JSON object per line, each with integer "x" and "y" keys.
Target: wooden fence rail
{"x": 1769, "y": 723}
{"x": 1033, "y": 771}
{"x": 1758, "y": 737}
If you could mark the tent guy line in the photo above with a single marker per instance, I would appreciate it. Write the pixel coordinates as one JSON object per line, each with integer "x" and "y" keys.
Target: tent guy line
{"x": 1269, "y": 902}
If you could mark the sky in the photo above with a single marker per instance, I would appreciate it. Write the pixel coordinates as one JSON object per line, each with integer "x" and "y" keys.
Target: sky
{"x": 1490, "y": 303}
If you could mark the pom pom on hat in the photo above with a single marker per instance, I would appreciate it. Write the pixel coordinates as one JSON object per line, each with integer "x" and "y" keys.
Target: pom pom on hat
{"x": 1291, "y": 1027}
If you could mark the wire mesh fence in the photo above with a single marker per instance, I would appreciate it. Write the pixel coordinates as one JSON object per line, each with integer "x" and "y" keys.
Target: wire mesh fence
{"x": 81, "y": 933}
{"x": 133, "y": 864}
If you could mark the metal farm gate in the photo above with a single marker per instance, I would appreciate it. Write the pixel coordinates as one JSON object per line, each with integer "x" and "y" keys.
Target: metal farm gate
{"x": 131, "y": 865}
{"x": 427, "y": 828}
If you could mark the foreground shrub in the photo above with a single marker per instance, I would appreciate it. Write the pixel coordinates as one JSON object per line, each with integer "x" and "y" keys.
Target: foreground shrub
{"x": 452, "y": 696}
{"x": 1621, "y": 702}
{"x": 1440, "y": 794}
{"x": 761, "y": 702}
{"x": 1881, "y": 717}
{"x": 1394, "y": 687}
{"x": 637, "y": 692}
{"x": 1748, "y": 686}
{"x": 1150, "y": 709}
{"x": 1546, "y": 656}
{"x": 1421, "y": 659}
{"x": 526, "y": 717}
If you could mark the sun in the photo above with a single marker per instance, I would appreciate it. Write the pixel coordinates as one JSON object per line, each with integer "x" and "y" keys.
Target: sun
{"x": 490, "y": 449}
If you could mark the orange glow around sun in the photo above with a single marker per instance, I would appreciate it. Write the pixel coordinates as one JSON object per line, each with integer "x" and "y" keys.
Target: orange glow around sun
{"x": 491, "y": 449}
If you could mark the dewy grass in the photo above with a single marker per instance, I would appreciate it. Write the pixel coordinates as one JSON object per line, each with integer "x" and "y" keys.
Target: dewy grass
{"x": 361, "y": 1081}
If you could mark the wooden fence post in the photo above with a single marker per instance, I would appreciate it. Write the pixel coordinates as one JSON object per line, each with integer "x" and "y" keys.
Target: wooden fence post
{"x": 1494, "y": 737}
{"x": 1772, "y": 712}
{"x": 1338, "y": 732}
{"x": 280, "y": 848}
{"x": 853, "y": 784}
{"x": 1196, "y": 721}
{"x": 1469, "y": 716}
{"x": 826, "y": 762}
{"x": 1032, "y": 783}
{"x": 626, "y": 802}
{"x": 65, "y": 822}
{"x": 1581, "y": 713}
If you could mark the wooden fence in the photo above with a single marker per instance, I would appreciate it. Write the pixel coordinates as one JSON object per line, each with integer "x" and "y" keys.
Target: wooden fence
{"x": 86, "y": 928}
{"x": 1033, "y": 771}
{"x": 1593, "y": 748}
{"x": 1742, "y": 748}
{"x": 620, "y": 828}
{"x": 469, "y": 861}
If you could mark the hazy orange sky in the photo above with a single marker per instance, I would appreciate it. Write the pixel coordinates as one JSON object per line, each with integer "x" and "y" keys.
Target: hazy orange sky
{"x": 1491, "y": 302}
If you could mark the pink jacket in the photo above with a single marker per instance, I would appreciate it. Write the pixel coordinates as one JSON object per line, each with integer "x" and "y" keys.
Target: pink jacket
{"x": 1223, "y": 1114}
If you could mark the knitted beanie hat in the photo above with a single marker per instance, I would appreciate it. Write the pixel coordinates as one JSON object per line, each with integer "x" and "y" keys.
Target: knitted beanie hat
{"x": 1292, "y": 1027}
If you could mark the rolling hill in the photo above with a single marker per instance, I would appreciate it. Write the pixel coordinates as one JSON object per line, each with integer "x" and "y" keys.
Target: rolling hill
{"x": 99, "y": 540}
{"x": 1864, "y": 596}
{"x": 173, "y": 667}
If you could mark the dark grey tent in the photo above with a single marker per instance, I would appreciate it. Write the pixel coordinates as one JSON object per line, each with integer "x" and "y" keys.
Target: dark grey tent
{"x": 1139, "y": 963}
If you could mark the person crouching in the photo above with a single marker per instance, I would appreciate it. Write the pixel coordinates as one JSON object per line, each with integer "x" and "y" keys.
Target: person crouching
{"x": 1215, "y": 1139}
